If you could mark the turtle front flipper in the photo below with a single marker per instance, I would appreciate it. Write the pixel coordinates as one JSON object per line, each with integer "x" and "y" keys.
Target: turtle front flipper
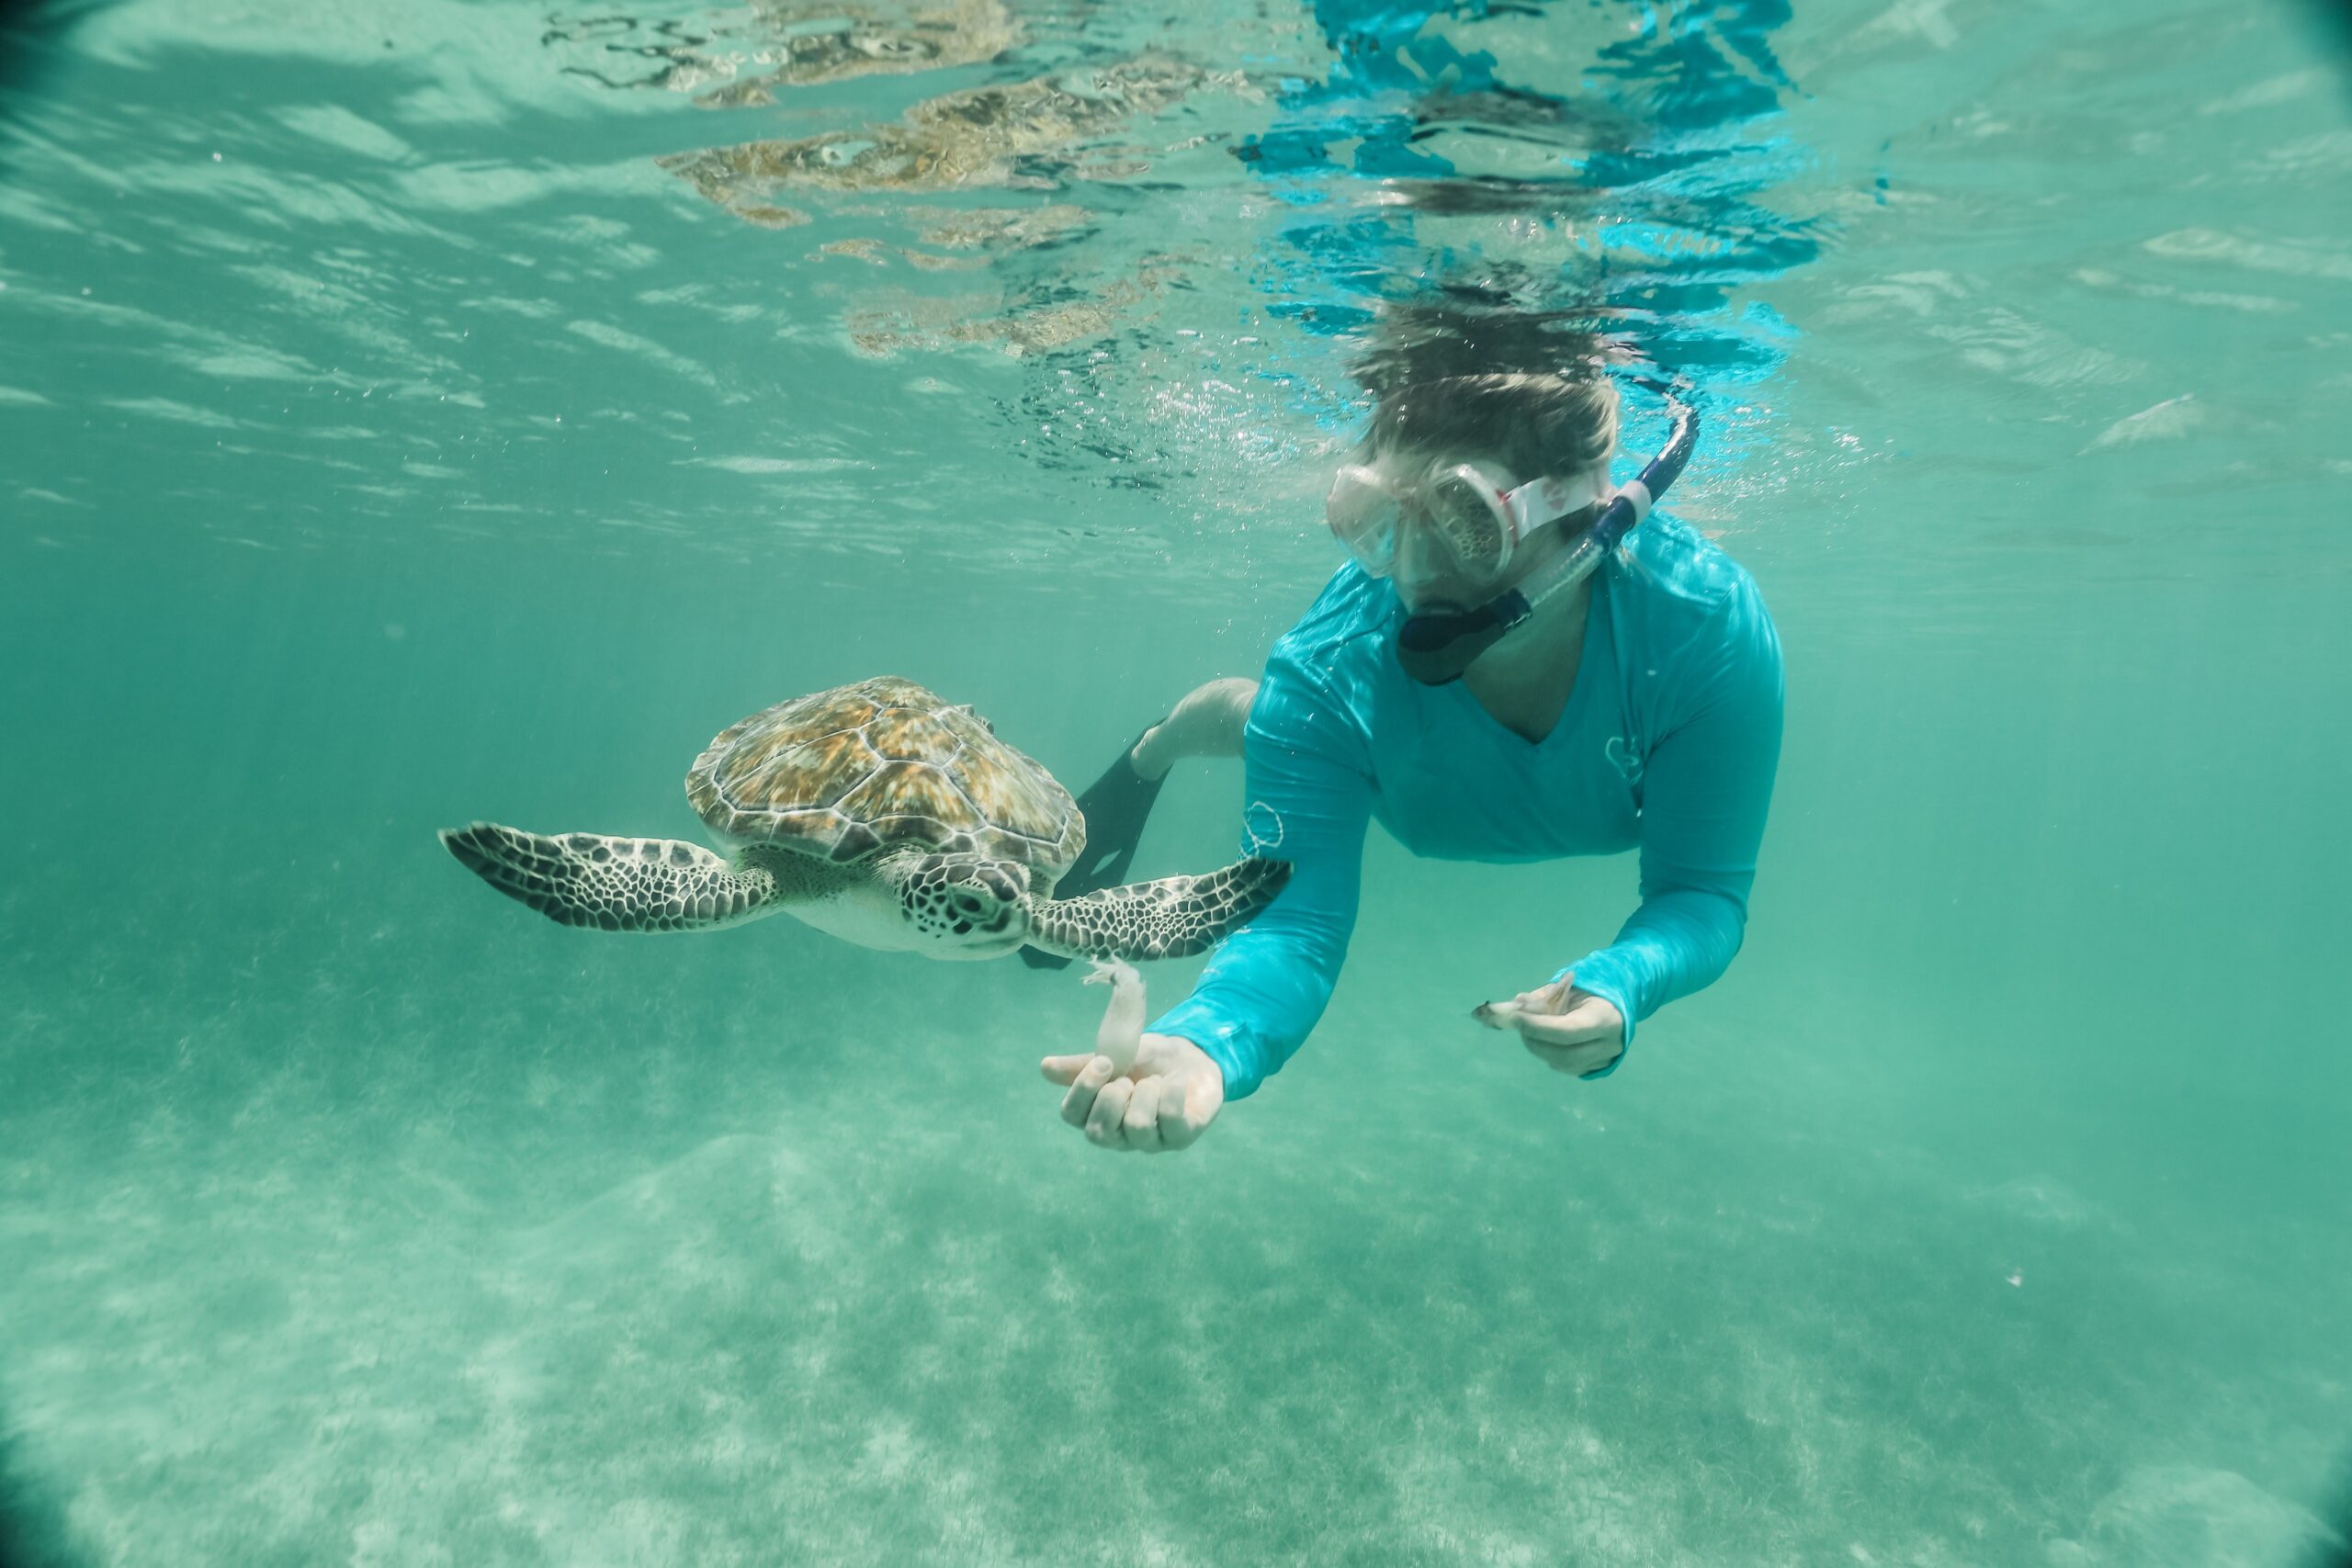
{"x": 615, "y": 885}
{"x": 1175, "y": 917}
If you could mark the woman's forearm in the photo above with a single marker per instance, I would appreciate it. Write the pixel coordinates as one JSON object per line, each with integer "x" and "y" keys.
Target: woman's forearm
{"x": 1676, "y": 942}
{"x": 1309, "y": 801}
{"x": 1259, "y": 998}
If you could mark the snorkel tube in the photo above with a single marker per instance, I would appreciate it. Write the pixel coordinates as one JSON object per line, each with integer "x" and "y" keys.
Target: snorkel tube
{"x": 1436, "y": 645}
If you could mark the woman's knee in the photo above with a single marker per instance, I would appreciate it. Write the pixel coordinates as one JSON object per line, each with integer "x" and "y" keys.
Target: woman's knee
{"x": 1208, "y": 722}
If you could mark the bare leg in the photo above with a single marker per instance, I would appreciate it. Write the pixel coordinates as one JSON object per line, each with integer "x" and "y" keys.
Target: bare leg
{"x": 1207, "y": 723}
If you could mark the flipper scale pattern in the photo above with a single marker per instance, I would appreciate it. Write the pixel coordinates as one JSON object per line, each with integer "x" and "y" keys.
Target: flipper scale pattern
{"x": 1175, "y": 917}
{"x": 613, "y": 884}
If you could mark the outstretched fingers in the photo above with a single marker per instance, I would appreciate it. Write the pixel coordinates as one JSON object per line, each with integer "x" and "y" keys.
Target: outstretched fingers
{"x": 1141, "y": 1127}
{"x": 1164, "y": 1104}
{"x": 1586, "y": 1023}
{"x": 1567, "y": 1030}
{"x": 1085, "y": 1089}
{"x": 1105, "y": 1122}
{"x": 1113, "y": 1112}
{"x": 1584, "y": 1039}
{"x": 1146, "y": 1116}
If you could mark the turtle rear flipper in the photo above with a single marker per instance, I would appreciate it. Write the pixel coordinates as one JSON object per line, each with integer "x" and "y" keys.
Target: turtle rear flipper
{"x": 615, "y": 885}
{"x": 1176, "y": 917}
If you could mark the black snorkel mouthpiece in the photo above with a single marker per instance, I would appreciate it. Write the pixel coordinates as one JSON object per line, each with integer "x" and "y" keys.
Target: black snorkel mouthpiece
{"x": 1438, "y": 644}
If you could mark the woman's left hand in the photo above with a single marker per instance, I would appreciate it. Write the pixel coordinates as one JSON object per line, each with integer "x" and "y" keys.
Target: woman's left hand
{"x": 1566, "y": 1030}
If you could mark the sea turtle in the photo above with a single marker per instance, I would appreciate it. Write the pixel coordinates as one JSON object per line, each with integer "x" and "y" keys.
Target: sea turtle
{"x": 884, "y": 816}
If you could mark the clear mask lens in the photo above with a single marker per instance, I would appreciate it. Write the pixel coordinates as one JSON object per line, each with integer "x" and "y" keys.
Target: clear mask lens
{"x": 1463, "y": 512}
{"x": 1459, "y": 513}
{"x": 1363, "y": 513}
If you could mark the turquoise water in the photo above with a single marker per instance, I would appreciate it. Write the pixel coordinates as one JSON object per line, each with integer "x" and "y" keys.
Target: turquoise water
{"x": 409, "y": 419}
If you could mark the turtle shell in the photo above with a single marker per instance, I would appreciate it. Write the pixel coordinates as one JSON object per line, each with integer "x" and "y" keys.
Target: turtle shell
{"x": 884, "y": 763}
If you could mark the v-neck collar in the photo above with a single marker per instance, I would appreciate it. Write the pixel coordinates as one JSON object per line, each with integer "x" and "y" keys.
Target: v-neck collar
{"x": 1579, "y": 694}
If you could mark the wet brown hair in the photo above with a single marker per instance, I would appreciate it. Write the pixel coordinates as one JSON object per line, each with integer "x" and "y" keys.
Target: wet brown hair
{"x": 1531, "y": 423}
{"x": 1477, "y": 372}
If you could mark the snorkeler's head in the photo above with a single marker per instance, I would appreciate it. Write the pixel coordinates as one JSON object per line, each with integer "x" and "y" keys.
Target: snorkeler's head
{"x": 1461, "y": 478}
{"x": 1530, "y": 424}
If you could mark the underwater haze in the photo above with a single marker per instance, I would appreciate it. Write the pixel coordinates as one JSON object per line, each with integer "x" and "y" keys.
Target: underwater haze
{"x": 434, "y": 410}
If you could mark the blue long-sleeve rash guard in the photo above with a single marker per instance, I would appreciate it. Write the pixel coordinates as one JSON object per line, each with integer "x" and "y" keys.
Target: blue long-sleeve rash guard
{"x": 1668, "y": 742}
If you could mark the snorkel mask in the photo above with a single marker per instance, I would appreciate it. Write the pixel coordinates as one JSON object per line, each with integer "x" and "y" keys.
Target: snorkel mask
{"x": 1464, "y": 511}
{"x": 1469, "y": 512}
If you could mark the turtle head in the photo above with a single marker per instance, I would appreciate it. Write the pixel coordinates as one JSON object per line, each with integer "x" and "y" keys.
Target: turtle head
{"x": 964, "y": 901}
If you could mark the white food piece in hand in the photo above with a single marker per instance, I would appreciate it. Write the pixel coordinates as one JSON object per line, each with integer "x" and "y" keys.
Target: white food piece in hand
{"x": 1121, "y": 1035}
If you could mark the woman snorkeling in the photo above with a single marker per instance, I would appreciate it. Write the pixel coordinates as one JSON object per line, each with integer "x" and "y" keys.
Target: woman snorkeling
{"x": 1511, "y": 666}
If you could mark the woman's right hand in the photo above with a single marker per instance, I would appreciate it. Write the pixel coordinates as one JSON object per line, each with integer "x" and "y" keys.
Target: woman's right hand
{"x": 1165, "y": 1101}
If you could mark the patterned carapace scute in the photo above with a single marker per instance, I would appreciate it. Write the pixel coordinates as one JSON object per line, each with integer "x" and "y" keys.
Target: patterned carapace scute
{"x": 884, "y": 763}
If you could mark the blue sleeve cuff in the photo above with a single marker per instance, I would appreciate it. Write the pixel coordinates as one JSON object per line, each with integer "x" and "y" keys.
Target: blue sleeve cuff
{"x": 1188, "y": 1019}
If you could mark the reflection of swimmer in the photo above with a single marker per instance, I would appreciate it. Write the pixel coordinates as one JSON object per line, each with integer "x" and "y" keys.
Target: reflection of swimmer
{"x": 971, "y": 138}
{"x": 1588, "y": 700}
{"x": 799, "y": 44}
